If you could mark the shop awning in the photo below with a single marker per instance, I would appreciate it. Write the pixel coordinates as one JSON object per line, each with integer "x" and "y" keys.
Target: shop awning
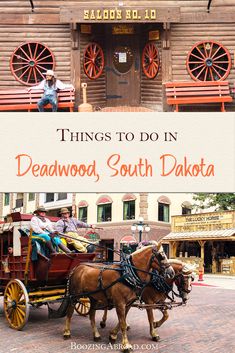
{"x": 128, "y": 239}
{"x": 212, "y": 234}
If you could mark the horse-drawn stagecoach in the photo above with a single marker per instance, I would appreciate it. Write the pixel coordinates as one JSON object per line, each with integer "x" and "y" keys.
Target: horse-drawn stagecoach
{"x": 143, "y": 279}
{"x": 29, "y": 278}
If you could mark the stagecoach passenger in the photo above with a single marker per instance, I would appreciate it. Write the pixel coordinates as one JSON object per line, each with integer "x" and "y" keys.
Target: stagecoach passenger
{"x": 50, "y": 86}
{"x": 69, "y": 226}
{"x": 43, "y": 228}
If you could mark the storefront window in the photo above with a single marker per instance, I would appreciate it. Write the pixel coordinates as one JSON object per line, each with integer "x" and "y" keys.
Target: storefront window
{"x": 61, "y": 196}
{"x": 186, "y": 210}
{"x": 31, "y": 196}
{"x": 50, "y": 197}
{"x": 6, "y": 199}
{"x": 19, "y": 200}
{"x": 82, "y": 214}
{"x": 163, "y": 212}
{"x": 123, "y": 59}
{"x": 104, "y": 213}
{"x": 128, "y": 210}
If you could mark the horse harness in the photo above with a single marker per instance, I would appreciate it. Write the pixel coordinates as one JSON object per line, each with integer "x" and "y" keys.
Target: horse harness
{"x": 128, "y": 276}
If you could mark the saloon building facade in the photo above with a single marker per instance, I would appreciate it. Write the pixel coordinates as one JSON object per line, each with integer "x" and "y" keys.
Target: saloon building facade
{"x": 124, "y": 50}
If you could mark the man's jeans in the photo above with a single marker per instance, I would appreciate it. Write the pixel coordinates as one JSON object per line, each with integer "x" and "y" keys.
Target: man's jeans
{"x": 46, "y": 100}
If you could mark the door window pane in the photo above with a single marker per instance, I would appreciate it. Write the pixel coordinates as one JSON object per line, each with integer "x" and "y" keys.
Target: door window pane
{"x": 123, "y": 59}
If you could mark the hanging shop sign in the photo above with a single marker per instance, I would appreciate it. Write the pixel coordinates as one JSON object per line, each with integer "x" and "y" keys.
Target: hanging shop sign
{"x": 119, "y": 14}
{"x": 205, "y": 221}
{"x": 154, "y": 35}
{"x": 85, "y": 29}
{"x": 122, "y": 29}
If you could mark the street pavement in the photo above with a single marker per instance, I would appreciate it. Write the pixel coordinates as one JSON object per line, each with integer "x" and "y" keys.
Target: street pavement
{"x": 220, "y": 281}
{"x": 205, "y": 325}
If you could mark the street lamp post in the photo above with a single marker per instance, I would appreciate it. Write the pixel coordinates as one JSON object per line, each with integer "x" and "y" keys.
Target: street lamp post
{"x": 141, "y": 227}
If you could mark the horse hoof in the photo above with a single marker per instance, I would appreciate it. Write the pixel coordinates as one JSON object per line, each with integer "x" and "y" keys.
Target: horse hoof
{"x": 66, "y": 337}
{"x": 112, "y": 340}
{"x": 102, "y": 324}
{"x": 96, "y": 339}
{"x": 156, "y": 338}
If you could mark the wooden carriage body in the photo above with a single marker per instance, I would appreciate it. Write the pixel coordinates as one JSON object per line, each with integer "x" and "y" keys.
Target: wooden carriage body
{"x": 20, "y": 265}
{"x": 25, "y": 281}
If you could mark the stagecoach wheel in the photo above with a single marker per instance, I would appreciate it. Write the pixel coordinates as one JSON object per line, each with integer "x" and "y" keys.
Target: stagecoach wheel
{"x": 16, "y": 304}
{"x": 30, "y": 61}
{"x": 93, "y": 61}
{"x": 150, "y": 60}
{"x": 83, "y": 306}
{"x": 208, "y": 61}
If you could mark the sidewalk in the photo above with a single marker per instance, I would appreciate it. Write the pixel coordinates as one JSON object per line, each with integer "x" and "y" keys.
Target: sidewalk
{"x": 220, "y": 281}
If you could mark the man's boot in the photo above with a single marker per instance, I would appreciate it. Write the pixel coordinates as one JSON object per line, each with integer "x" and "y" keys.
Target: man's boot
{"x": 64, "y": 248}
{"x": 50, "y": 247}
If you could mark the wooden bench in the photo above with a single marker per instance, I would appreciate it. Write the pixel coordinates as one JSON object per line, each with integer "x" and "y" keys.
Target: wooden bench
{"x": 180, "y": 93}
{"x": 21, "y": 99}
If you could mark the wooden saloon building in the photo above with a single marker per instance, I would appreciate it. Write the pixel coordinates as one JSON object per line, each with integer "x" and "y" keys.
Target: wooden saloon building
{"x": 124, "y": 50}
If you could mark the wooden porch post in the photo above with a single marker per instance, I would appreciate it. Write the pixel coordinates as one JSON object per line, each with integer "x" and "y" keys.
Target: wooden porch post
{"x": 173, "y": 248}
{"x": 75, "y": 62}
{"x": 166, "y": 62}
{"x": 202, "y": 245}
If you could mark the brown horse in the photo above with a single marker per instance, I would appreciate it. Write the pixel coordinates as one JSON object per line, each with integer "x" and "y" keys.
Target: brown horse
{"x": 108, "y": 287}
{"x": 155, "y": 294}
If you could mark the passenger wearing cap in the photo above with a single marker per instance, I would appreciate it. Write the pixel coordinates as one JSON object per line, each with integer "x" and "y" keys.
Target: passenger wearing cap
{"x": 69, "y": 226}
{"x": 50, "y": 86}
{"x": 43, "y": 228}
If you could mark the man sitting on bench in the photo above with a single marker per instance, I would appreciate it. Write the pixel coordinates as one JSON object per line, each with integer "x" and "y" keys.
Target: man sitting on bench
{"x": 44, "y": 229}
{"x": 69, "y": 226}
{"x": 50, "y": 86}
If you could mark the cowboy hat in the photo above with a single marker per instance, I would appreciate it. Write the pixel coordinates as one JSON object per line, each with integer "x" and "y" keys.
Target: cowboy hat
{"x": 64, "y": 210}
{"x": 49, "y": 73}
{"x": 40, "y": 209}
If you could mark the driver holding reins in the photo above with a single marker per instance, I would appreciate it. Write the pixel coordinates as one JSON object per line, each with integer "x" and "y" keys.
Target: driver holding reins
{"x": 69, "y": 226}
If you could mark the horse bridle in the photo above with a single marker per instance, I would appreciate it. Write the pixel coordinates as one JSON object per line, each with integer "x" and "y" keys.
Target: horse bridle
{"x": 180, "y": 281}
{"x": 166, "y": 270}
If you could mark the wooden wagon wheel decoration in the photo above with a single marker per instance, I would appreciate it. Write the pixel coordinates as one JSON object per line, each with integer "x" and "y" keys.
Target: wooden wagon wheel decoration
{"x": 208, "y": 61}
{"x": 83, "y": 306}
{"x": 16, "y": 304}
{"x": 30, "y": 61}
{"x": 150, "y": 60}
{"x": 93, "y": 61}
